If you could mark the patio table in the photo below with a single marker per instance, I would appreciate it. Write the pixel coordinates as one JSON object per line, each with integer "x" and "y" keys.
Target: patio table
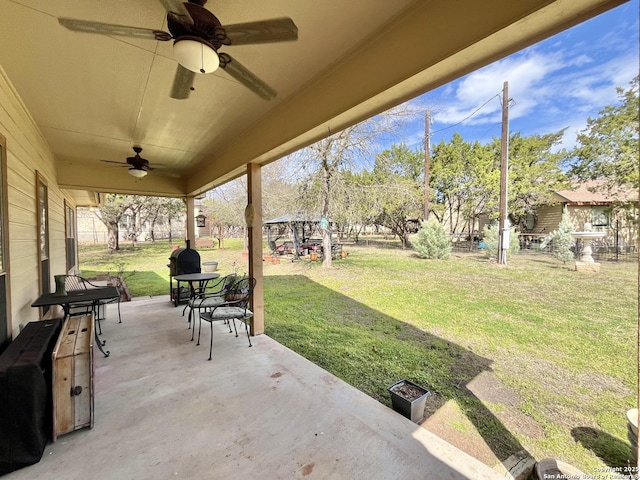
{"x": 93, "y": 295}
{"x": 191, "y": 278}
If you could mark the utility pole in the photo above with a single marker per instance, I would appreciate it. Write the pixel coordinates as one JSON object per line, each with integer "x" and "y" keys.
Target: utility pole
{"x": 503, "y": 233}
{"x": 427, "y": 158}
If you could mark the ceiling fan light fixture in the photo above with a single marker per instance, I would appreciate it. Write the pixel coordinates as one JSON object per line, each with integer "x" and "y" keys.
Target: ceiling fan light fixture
{"x": 137, "y": 172}
{"x": 195, "y": 54}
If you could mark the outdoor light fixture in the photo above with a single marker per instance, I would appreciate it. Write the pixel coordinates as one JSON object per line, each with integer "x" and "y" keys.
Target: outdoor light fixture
{"x": 196, "y": 54}
{"x": 137, "y": 172}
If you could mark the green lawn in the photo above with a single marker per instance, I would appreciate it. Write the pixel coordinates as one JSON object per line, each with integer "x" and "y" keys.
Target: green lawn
{"x": 564, "y": 341}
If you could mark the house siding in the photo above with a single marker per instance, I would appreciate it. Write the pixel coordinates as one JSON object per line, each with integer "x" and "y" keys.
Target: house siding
{"x": 27, "y": 153}
{"x": 547, "y": 219}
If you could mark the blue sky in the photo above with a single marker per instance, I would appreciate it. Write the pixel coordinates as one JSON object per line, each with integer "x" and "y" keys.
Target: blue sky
{"x": 554, "y": 84}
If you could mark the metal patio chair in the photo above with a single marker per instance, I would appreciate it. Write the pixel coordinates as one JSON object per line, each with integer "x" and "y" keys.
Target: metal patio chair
{"x": 235, "y": 307}
{"x": 211, "y": 294}
{"x": 76, "y": 282}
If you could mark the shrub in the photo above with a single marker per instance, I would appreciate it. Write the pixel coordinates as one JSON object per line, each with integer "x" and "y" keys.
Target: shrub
{"x": 490, "y": 239}
{"x": 432, "y": 241}
{"x": 562, "y": 239}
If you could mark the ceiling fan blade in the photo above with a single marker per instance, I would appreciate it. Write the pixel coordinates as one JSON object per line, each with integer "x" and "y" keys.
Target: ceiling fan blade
{"x": 248, "y": 79}
{"x": 182, "y": 83}
{"x": 265, "y": 31}
{"x": 177, "y": 9}
{"x": 113, "y": 161}
{"x": 111, "y": 29}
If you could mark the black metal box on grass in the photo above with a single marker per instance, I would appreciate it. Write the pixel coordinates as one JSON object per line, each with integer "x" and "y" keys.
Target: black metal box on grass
{"x": 409, "y": 399}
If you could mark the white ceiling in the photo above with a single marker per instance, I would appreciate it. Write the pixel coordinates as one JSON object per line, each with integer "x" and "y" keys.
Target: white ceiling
{"x": 94, "y": 97}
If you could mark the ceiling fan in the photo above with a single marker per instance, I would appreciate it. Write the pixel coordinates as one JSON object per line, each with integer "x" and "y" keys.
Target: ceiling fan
{"x": 197, "y": 36}
{"x": 138, "y": 166}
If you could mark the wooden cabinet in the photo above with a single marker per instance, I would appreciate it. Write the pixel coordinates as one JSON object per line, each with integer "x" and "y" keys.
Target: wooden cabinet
{"x": 73, "y": 369}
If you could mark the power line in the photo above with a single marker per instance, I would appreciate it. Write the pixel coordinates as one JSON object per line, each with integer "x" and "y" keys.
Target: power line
{"x": 467, "y": 117}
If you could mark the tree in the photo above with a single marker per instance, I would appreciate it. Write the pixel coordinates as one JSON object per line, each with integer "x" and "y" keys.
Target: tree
{"x": 608, "y": 147}
{"x": 226, "y": 205}
{"x": 398, "y": 173}
{"x": 357, "y": 202}
{"x": 173, "y": 208}
{"x": 464, "y": 183}
{"x": 279, "y": 189}
{"x": 535, "y": 173}
{"x": 141, "y": 210}
{"x": 153, "y": 211}
{"x": 331, "y": 154}
{"x": 136, "y": 211}
{"x": 329, "y": 157}
{"x": 110, "y": 213}
{"x": 465, "y": 178}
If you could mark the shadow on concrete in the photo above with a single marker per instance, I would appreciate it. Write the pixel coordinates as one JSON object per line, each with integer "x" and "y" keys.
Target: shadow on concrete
{"x": 372, "y": 350}
{"x": 162, "y": 410}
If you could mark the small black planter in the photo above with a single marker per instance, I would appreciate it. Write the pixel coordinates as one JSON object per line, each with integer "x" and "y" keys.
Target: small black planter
{"x": 409, "y": 399}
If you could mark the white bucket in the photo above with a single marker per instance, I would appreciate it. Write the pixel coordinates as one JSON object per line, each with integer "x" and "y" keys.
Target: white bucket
{"x": 209, "y": 266}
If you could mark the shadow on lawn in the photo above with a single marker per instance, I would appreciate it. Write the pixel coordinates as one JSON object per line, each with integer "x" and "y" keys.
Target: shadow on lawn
{"x": 611, "y": 450}
{"x": 371, "y": 350}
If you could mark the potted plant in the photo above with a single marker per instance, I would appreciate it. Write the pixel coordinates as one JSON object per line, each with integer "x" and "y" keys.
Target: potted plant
{"x": 409, "y": 399}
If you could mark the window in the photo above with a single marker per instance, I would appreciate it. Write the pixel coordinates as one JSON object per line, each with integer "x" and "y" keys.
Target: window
{"x": 43, "y": 219}
{"x": 530, "y": 222}
{"x": 42, "y": 203}
{"x": 70, "y": 227}
{"x": 600, "y": 216}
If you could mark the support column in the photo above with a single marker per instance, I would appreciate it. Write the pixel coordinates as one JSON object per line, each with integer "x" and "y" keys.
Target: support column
{"x": 191, "y": 221}
{"x": 253, "y": 217}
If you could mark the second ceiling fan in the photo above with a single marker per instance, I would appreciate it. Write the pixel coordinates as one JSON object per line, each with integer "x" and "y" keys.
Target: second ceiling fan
{"x": 198, "y": 36}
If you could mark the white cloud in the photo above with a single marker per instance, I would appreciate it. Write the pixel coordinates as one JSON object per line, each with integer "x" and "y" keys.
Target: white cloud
{"x": 525, "y": 73}
{"x": 555, "y": 84}
{"x": 539, "y": 79}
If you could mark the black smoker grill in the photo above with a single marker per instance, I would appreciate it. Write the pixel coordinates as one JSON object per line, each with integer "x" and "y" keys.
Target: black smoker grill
{"x": 181, "y": 261}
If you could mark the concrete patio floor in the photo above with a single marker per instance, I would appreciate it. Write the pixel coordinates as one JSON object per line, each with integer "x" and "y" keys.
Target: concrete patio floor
{"x": 163, "y": 411}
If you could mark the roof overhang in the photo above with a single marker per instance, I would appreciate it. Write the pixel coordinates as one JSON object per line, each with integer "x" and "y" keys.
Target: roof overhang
{"x": 94, "y": 97}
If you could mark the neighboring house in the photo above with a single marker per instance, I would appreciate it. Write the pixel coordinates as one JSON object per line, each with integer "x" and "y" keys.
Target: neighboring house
{"x": 588, "y": 202}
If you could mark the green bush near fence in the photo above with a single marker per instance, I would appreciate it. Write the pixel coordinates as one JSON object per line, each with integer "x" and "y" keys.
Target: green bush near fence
{"x": 432, "y": 242}
{"x": 491, "y": 242}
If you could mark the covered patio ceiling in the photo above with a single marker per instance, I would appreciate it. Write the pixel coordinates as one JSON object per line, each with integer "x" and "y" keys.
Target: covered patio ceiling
{"x": 95, "y": 97}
